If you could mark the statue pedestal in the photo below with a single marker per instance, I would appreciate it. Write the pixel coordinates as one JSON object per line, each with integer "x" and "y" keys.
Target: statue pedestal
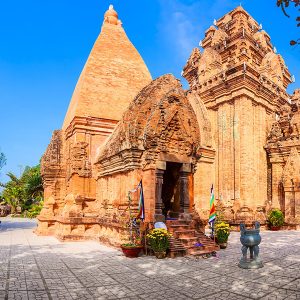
{"x": 251, "y": 263}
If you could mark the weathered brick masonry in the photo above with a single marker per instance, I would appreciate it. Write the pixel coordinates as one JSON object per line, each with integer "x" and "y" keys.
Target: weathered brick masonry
{"x": 236, "y": 127}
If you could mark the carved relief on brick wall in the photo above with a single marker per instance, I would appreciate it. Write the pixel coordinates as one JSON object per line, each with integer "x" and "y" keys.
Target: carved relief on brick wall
{"x": 295, "y": 119}
{"x": 171, "y": 128}
{"x": 159, "y": 120}
{"x": 219, "y": 37}
{"x": 273, "y": 67}
{"x": 261, "y": 39}
{"x": 79, "y": 160}
{"x": 53, "y": 157}
{"x": 283, "y": 146}
{"x": 210, "y": 63}
{"x": 287, "y": 127}
{"x": 275, "y": 132}
{"x": 291, "y": 171}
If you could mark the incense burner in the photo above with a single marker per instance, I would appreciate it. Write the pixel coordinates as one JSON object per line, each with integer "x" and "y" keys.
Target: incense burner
{"x": 250, "y": 238}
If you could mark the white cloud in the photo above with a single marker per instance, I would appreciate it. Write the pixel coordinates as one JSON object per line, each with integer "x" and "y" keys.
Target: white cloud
{"x": 183, "y": 22}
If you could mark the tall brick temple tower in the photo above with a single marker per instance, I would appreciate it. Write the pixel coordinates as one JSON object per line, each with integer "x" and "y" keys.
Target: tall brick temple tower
{"x": 112, "y": 76}
{"x": 242, "y": 82}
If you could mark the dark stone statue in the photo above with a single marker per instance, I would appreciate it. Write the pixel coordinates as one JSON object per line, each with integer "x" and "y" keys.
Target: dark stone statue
{"x": 250, "y": 238}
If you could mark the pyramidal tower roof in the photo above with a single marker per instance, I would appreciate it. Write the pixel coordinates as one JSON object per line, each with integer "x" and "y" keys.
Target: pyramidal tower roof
{"x": 112, "y": 76}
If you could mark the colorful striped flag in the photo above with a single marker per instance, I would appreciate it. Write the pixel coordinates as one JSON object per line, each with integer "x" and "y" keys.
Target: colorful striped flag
{"x": 141, "y": 211}
{"x": 212, "y": 212}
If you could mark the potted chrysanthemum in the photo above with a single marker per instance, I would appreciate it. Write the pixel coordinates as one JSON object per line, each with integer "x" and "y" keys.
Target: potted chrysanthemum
{"x": 222, "y": 231}
{"x": 158, "y": 239}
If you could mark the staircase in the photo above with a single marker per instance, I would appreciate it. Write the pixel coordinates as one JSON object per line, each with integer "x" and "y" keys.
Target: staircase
{"x": 185, "y": 238}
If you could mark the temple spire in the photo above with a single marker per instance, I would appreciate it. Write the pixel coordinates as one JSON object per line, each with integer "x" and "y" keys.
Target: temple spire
{"x": 111, "y": 16}
{"x": 113, "y": 74}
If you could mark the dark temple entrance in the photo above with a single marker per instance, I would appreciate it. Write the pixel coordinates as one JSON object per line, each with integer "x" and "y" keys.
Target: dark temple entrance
{"x": 172, "y": 197}
{"x": 170, "y": 193}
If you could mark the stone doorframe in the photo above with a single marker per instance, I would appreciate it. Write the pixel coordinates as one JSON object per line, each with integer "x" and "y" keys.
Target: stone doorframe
{"x": 291, "y": 198}
{"x": 185, "y": 171}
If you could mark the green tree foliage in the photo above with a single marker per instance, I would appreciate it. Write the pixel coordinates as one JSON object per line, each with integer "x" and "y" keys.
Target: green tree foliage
{"x": 33, "y": 184}
{"x": 284, "y": 4}
{"x": 25, "y": 191}
{"x": 35, "y": 210}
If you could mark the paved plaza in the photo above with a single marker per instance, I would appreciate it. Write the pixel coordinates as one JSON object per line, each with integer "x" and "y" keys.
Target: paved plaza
{"x": 34, "y": 267}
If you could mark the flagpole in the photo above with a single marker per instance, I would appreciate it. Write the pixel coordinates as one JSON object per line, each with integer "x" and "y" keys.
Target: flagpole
{"x": 212, "y": 211}
{"x": 130, "y": 217}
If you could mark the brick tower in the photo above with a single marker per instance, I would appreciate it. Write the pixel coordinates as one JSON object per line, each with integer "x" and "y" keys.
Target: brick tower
{"x": 242, "y": 82}
{"x": 113, "y": 74}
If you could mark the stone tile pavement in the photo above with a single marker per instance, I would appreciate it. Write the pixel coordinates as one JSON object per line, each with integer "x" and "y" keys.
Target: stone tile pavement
{"x": 33, "y": 267}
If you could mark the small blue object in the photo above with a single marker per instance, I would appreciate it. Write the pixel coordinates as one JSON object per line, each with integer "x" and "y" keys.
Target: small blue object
{"x": 198, "y": 245}
{"x": 160, "y": 225}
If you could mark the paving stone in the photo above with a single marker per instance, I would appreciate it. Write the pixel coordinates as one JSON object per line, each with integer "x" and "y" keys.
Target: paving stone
{"x": 294, "y": 285}
{"x": 288, "y": 272}
{"x": 273, "y": 280}
{"x": 147, "y": 286}
{"x": 42, "y": 266}
{"x": 220, "y": 281}
{"x": 82, "y": 294}
{"x": 91, "y": 281}
{"x": 201, "y": 275}
{"x": 251, "y": 290}
{"x": 245, "y": 275}
{"x": 129, "y": 277}
{"x": 167, "y": 294}
{"x": 55, "y": 284}
{"x": 18, "y": 295}
{"x": 224, "y": 295}
{"x": 35, "y": 284}
{"x": 112, "y": 292}
{"x": 38, "y": 295}
{"x": 17, "y": 285}
{"x": 280, "y": 294}
{"x": 60, "y": 294}
{"x": 2, "y": 283}
{"x": 56, "y": 273}
{"x": 191, "y": 288}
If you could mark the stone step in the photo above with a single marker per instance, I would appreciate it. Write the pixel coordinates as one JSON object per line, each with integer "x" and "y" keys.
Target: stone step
{"x": 184, "y": 238}
{"x": 184, "y": 233}
{"x": 193, "y": 244}
{"x": 205, "y": 239}
{"x": 173, "y": 228}
{"x": 177, "y": 222}
{"x": 188, "y": 242}
{"x": 176, "y": 245}
{"x": 198, "y": 252}
{"x": 176, "y": 248}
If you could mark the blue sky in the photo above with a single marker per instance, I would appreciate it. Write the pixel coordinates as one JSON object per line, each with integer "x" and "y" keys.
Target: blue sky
{"x": 44, "y": 45}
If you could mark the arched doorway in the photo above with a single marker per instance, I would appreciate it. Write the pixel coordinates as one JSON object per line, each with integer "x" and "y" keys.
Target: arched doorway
{"x": 172, "y": 190}
{"x": 170, "y": 193}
